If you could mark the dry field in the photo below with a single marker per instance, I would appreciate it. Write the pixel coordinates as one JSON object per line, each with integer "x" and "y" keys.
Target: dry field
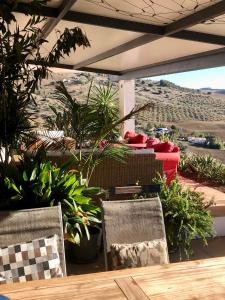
{"x": 215, "y": 127}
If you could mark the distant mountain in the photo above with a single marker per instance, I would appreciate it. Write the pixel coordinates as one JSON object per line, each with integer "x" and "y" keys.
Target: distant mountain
{"x": 171, "y": 103}
{"x": 208, "y": 89}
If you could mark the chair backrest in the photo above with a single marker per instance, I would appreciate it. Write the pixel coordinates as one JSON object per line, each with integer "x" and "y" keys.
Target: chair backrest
{"x": 26, "y": 225}
{"x": 131, "y": 221}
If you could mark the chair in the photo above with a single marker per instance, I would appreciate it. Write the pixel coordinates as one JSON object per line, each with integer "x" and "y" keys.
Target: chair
{"x": 131, "y": 221}
{"x": 26, "y": 225}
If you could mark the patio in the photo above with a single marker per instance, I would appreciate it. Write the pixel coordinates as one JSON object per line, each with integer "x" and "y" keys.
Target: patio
{"x": 178, "y": 38}
{"x": 215, "y": 249}
{"x": 128, "y": 40}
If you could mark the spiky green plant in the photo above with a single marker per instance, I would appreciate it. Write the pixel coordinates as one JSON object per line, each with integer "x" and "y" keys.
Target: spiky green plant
{"x": 95, "y": 120}
{"x": 204, "y": 167}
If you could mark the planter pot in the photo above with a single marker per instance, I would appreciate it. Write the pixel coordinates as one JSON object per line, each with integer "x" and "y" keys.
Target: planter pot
{"x": 88, "y": 250}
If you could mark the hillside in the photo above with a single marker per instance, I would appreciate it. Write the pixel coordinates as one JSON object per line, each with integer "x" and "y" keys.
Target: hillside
{"x": 171, "y": 103}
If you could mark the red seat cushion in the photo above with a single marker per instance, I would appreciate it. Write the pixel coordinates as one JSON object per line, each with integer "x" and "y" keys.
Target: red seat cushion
{"x": 102, "y": 144}
{"x": 151, "y": 142}
{"x": 176, "y": 149}
{"x": 129, "y": 134}
{"x": 138, "y": 139}
{"x": 164, "y": 147}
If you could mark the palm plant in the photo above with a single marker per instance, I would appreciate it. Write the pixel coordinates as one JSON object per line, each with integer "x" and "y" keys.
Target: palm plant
{"x": 19, "y": 79}
{"x": 103, "y": 100}
{"x": 95, "y": 120}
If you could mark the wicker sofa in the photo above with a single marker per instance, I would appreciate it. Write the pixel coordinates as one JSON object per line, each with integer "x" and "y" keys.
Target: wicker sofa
{"x": 138, "y": 167}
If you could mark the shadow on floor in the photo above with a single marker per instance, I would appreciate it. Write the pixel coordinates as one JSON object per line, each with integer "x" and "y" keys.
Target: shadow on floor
{"x": 215, "y": 248}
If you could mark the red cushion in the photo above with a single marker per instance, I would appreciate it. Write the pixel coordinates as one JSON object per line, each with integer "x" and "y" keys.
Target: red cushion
{"x": 138, "y": 139}
{"x": 151, "y": 142}
{"x": 164, "y": 147}
{"x": 176, "y": 149}
{"x": 102, "y": 144}
{"x": 129, "y": 134}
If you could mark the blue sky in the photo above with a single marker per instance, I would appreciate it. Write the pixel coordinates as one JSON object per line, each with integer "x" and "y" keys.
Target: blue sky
{"x": 214, "y": 78}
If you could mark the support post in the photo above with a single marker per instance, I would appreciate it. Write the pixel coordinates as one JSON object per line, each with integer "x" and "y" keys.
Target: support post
{"x": 127, "y": 103}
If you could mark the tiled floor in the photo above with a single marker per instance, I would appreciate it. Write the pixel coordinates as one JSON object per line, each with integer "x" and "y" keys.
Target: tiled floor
{"x": 210, "y": 193}
{"x": 215, "y": 248}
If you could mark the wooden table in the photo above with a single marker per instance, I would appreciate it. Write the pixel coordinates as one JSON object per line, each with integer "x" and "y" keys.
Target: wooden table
{"x": 203, "y": 279}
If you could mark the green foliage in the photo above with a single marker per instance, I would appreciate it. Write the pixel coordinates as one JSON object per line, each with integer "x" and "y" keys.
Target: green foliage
{"x": 103, "y": 102}
{"x": 203, "y": 167}
{"x": 174, "y": 127}
{"x": 39, "y": 183}
{"x": 19, "y": 79}
{"x": 76, "y": 119}
{"x": 213, "y": 142}
{"x": 7, "y": 7}
{"x": 88, "y": 120}
{"x": 185, "y": 216}
{"x": 182, "y": 147}
{"x": 197, "y": 134}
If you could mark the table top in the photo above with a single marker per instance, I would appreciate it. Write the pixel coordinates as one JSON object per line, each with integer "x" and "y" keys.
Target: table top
{"x": 202, "y": 279}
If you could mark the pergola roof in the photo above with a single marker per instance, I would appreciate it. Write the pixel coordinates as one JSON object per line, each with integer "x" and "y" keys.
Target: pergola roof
{"x": 139, "y": 38}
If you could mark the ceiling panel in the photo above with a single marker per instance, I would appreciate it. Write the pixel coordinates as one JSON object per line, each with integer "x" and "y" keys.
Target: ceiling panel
{"x": 151, "y": 53}
{"x": 159, "y": 12}
{"x": 100, "y": 38}
{"x": 213, "y": 26}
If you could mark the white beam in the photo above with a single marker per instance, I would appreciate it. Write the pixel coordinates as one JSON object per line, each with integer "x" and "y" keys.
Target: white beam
{"x": 210, "y": 59}
{"x": 52, "y": 23}
{"x": 127, "y": 103}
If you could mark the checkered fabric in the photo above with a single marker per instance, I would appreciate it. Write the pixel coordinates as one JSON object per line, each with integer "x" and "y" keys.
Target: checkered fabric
{"x": 38, "y": 259}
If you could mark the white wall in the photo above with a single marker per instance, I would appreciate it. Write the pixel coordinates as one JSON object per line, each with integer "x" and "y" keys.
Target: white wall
{"x": 219, "y": 225}
{"x": 127, "y": 103}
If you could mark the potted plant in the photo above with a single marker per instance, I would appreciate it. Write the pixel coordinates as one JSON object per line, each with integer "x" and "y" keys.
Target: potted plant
{"x": 38, "y": 183}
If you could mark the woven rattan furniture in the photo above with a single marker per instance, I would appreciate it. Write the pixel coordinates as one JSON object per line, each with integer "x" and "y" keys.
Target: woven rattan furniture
{"x": 141, "y": 168}
{"x": 131, "y": 221}
{"x": 26, "y": 225}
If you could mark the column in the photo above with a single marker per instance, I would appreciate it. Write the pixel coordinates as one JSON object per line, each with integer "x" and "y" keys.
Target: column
{"x": 127, "y": 103}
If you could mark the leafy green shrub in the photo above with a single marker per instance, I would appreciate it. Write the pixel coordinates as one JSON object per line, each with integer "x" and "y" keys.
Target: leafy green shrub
{"x": 213, "y": 142}
{"x": 182, "y": 147}
{"x": 203, "y": 167}
{"x": 39, "y": 184}
{"x": 185, "y": 216}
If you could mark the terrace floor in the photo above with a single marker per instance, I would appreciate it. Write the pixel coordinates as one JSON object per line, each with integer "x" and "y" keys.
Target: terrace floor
{"x": 210, "y": 194}
{"x": 215, "y": 248}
